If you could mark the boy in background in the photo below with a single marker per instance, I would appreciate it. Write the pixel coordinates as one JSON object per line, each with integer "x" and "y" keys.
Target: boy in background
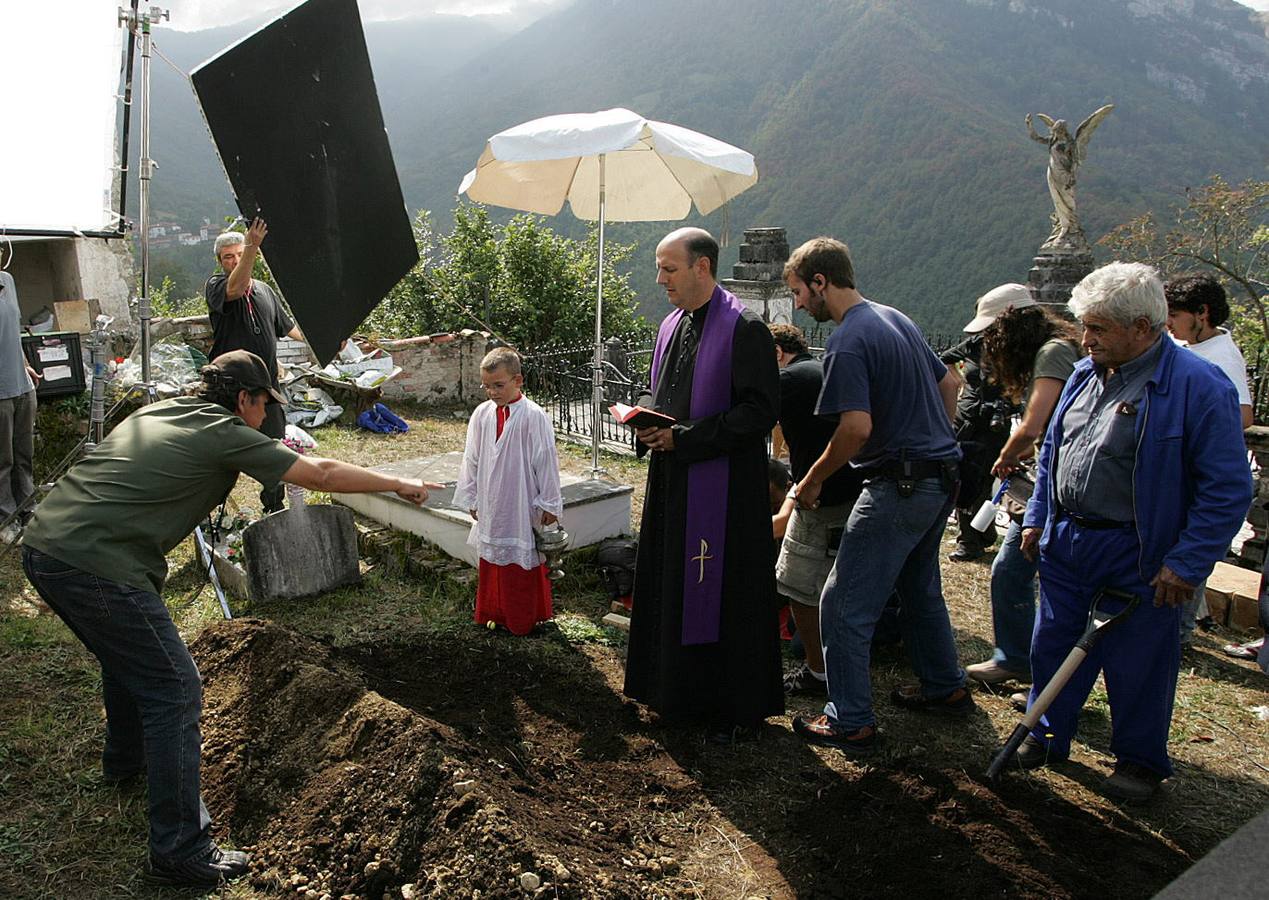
{"x": 510, "y": 483}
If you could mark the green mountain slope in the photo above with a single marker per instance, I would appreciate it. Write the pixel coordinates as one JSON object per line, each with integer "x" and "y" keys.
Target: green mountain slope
{"x": 896, "y": 125}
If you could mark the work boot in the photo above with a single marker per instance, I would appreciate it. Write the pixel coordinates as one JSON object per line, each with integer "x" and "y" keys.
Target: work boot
{"x": 1131, "y": 783}
{"x": 208, "y": 869}
{"x": 1033, "y": 754}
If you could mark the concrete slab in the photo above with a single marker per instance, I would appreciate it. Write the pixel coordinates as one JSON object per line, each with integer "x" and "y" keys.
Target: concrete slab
{"x": 594, "y": 509}
{"x": 1234, "y": 870}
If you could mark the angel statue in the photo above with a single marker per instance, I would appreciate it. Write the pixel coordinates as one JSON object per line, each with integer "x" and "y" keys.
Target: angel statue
{"x": 1065, "y": 155}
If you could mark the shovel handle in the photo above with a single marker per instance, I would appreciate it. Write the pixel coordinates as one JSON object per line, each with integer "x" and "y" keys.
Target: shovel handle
{"x": 1008, "y": 750}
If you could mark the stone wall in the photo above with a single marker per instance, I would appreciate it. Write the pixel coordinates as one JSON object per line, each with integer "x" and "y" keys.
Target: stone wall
{"x": 438, "y": 369}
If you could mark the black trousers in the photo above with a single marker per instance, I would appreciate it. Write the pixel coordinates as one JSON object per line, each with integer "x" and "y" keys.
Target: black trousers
{"x": 274, "y": 425}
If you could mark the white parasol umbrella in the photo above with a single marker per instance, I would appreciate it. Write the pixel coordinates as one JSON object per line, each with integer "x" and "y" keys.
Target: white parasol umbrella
{"x": 612, "y": 165}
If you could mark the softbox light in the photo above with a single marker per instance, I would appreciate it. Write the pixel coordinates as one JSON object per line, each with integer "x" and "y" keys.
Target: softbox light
{"x": 295, "y": 117}
{"x": 58, "y": 165}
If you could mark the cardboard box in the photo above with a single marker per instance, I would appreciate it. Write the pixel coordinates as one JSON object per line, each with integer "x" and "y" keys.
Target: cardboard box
{"x": 73, "y": 315}
{"x": 1244, "y": 613}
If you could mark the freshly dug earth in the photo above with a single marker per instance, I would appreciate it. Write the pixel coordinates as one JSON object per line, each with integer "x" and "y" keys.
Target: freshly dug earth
{"x": 470, "y": 764}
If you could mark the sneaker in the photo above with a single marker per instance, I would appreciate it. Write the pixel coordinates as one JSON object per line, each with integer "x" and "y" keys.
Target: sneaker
{"x": 1131, "y": 783}
{"x": 802, "y": 681}
{"x": 1033, "y": 754}
{"x": 965, "y": 554}
{"x": 1249, "y": 650}
{"x": 820, "y": 730}
{"x": 214, "y": 867}
{"x": 727, "y": 735}
{"x": 1019, "y": 701}
{"x": 958, "y": 703}
{"x": 992, "y": 672}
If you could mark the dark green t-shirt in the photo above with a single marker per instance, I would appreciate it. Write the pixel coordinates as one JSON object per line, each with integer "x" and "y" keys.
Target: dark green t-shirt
{"x": 118, "y": 511}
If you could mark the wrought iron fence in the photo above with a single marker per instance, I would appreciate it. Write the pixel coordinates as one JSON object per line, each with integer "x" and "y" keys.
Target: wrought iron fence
{"x": 559, "y": 379}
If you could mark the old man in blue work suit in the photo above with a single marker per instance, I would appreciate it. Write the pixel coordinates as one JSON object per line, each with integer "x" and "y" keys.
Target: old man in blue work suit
{"x": 1142, "y": 483}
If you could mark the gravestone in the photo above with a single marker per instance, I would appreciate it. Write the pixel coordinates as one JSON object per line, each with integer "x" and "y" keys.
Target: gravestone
{"x": 301, "y": 552}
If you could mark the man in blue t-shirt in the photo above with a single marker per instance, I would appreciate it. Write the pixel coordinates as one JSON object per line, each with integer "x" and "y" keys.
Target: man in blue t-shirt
{"x": 892, "y": 402}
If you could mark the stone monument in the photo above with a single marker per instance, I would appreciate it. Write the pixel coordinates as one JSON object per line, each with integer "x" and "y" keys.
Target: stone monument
{"x": 1065, "y": 257}
{"x": 758, "y": 279}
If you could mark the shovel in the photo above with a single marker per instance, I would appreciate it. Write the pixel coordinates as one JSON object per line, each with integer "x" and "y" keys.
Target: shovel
{"x": 1099, "y": 622}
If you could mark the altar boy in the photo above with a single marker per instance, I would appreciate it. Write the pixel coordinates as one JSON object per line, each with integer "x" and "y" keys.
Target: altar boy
{"x": 510, "y": 483}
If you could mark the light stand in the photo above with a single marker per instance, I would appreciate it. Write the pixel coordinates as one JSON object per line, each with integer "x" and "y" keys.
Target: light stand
{"x": 101, "y": 374}
{"x": 137, "y": 21}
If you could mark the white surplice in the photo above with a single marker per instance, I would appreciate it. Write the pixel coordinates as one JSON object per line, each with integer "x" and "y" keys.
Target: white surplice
{"x": 509, "y": 481}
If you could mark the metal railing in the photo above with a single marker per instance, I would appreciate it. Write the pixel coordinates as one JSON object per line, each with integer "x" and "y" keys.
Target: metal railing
{"x": 559, "y": 380}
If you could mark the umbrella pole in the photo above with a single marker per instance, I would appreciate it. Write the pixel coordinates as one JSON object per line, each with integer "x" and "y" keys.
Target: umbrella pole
{"x": 597, "y": 371}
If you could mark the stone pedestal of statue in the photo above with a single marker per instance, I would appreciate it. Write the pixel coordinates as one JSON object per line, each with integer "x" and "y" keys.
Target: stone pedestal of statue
{"x": 1059, "y": 266}
{"x": 758, "y": 278}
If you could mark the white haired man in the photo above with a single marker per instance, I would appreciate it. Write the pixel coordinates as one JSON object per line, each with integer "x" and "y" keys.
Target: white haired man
{"x": 246, "y": 315}
{"x": 1141, "y": 485}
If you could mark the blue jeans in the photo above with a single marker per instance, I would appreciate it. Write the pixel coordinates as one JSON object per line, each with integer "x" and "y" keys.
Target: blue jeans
{"x": 891, "y": 544}
{"x": 1139, "y": 658}
{"x": 1013, "y": 603}
{"x": 152, "y": 693}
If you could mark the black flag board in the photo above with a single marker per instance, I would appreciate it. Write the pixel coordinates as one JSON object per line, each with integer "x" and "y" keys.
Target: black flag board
{"x": 296, "y": 120}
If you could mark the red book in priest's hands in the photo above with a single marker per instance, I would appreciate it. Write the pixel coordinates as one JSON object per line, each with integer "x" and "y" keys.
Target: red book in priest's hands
{"x": 639, "y": 417}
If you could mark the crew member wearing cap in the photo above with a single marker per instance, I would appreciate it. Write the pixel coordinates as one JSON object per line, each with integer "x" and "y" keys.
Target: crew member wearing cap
{"x": 982, "y": 419}
{"x": 95, "y": 551}
{"x": 246, "y": 314}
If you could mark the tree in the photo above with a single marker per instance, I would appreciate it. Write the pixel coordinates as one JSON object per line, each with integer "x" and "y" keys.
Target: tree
{"x": 524, "y": 282}
{"x": 1220, "y": 228}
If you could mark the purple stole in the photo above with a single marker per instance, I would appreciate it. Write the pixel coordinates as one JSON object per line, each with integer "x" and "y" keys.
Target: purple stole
{"x": 705, "y": 530}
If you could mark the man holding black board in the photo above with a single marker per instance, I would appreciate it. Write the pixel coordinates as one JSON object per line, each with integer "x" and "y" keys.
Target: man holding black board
{"x": 247, "y": 315}
{"x": 704, "y": 646}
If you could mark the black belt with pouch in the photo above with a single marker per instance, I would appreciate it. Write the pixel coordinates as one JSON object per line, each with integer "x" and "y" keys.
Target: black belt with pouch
{"x": 907, "y": 472}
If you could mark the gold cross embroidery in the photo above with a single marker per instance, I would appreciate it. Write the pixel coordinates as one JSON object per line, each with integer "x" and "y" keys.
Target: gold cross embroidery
{"x": 704, "y": 556}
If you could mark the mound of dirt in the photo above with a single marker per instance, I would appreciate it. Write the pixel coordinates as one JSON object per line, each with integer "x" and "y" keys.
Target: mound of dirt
{"x": 480, "y": 765}
{"x": 341, "y": 791}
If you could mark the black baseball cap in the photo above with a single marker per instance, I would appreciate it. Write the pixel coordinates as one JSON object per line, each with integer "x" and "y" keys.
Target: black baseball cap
{"x": 249, "y": 371}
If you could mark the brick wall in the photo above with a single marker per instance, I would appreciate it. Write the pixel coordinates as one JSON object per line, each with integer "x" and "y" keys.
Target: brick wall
{"x": 438, "y": 369}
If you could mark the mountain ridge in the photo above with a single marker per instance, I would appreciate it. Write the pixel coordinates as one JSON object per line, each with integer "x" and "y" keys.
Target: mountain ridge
{"x": 897, "y": 125}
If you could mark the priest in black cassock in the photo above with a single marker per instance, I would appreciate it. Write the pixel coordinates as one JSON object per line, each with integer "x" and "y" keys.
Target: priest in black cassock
{"x": 704, "y": 641}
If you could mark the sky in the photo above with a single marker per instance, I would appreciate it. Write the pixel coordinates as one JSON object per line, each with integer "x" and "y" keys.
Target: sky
{"x": 193, "y": 15}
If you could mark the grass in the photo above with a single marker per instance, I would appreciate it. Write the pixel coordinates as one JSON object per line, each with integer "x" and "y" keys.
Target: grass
{"x": 64, "y": 834}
